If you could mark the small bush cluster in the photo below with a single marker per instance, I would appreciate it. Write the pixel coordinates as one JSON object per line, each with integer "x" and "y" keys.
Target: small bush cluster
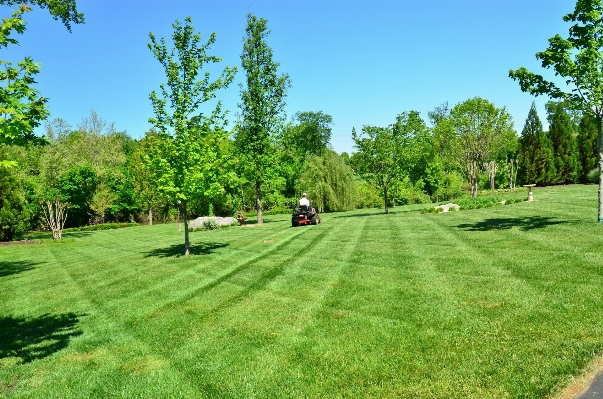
{"x": 432, "y": 209}
{"x": 476, "y": 203}
{"x": 103, "y": 226}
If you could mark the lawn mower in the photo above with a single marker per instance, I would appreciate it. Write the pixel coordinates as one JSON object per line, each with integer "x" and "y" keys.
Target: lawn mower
{"x": 304, "y": 215}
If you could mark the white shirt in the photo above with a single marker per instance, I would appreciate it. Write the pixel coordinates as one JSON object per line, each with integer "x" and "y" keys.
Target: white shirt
{"x": 304, "y": 201}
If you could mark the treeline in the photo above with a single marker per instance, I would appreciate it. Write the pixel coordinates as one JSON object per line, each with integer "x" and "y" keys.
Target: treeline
{"x": 189, "y": 164}
{"x": 101, "y": 172}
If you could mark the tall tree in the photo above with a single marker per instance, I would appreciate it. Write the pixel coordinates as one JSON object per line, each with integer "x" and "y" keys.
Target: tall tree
{"x": 312, "y": 134}
{"x": 22, "y": 108}
{"x": 479, "y": 131}
{"x": 565, "y": 151}
{"x": 577, "y": 59}
{"x": 262, "y": 105}
{"x": 188, "y": 161}
{"x": 536, "y": 162}
{"x": 587, "y": 145}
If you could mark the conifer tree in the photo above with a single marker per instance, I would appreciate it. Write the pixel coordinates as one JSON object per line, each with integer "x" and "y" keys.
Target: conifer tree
{"x": 567, "y": 165}
{"x": 536, "y": 163}
{"x": 587, "y": 145}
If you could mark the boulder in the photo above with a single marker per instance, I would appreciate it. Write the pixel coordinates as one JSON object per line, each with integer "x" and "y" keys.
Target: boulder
{"x": 446, "y": 208}
{"x": 218, "y": 219}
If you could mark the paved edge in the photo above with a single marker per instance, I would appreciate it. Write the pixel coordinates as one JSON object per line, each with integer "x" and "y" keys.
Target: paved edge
{"x": 578, "y": 388}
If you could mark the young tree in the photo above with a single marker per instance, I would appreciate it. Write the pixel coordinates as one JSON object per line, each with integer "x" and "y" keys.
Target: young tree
{"x": 379, "y": 158}
{"x": 536, "y": 162}
{"x": 561, "y": 134}
{"x": 577, "y": 59}
{"x": 479, "y": 130}
{"x": 188, "y": 161}
{"x": 262, "y": 106}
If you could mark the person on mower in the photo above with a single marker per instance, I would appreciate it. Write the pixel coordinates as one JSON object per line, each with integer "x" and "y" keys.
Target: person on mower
{"x": 304, "y": 202}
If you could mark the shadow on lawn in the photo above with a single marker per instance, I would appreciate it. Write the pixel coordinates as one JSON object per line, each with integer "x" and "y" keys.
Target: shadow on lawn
{"x": 391, "y": 212}
{"x": 529, "y": 223}
{"x": 35, "y": 338}
{"x": 200, "y": 248}
{"x": 15, "y": 267}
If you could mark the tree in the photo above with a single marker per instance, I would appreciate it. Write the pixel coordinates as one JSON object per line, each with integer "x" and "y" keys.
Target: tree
{"x": 312, "y": 134}
{"x": 379, "y": 158}
{"x": 536, "y": 162}
{"x": 143, "y": 179}
{"x": 479, "y": 131}
{"x": 262, "y": 105}
{"x": 587, "y": 145}
{"x": 188, "y": 161}
{"x": 565, "y": 152}
{"x": 329, "y": 182}
{"x": 21, "y": 107}
{"x": 577, "y": 60}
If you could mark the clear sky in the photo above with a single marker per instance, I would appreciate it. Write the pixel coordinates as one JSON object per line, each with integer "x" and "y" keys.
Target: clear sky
{"x": 362, "y": 62}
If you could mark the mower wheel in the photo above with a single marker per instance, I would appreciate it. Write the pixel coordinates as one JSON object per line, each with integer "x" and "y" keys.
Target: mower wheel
{"x": 314, "y": 220}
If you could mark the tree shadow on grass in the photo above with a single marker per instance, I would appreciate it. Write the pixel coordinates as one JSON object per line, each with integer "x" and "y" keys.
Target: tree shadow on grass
{"x": 177, "y": 250}
{"x": 36, "y": 338}
{"x": 15, "y": 267}
{"x": 529, "y": 223}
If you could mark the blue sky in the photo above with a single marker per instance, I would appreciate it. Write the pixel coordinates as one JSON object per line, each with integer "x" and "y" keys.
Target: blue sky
{"x": 362, "y": 62}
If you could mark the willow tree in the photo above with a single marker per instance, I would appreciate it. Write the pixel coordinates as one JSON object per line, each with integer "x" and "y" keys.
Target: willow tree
{"x": 187, "y": 161}
{"x": 262, "y": 106}
{"x": 579, "y": 61}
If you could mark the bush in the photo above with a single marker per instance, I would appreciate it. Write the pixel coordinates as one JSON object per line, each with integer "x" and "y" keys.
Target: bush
{"x": 476, "y": 203}
{"x": 210, "y": 225}
{"x": 593, "y": 176}
{"x": 14, "y": 215}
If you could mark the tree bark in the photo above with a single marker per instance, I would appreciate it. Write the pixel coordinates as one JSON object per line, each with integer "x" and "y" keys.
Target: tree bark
{"x": 600, "y": 134}
{"x": 185, "y": 220}
{"x": 385, "y": 199}
{"x": 150, "y": 209}
{"x": 258, "y": 202}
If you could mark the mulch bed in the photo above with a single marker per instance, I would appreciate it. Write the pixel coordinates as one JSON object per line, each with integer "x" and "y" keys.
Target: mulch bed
{"x": 2, "y": 243}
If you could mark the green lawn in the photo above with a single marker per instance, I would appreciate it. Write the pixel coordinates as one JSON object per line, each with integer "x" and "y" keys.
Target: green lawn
{"x": 503, "y": 302}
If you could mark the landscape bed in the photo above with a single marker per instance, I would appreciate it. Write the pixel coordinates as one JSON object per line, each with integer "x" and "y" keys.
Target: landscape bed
{"x": 501, "y": 302}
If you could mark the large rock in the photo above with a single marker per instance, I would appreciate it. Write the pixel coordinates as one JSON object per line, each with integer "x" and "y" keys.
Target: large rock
{"x": 218, "y": 219}
{"x": 447, "y": 207}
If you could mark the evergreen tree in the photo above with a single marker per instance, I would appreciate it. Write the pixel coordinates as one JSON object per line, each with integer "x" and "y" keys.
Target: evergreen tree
{"x": 536, "y": 162}
{"x": 565, "y": 150}
{"x": 587, "y": 145}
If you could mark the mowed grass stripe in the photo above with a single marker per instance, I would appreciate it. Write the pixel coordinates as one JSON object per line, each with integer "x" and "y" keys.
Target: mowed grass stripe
{"x": 266, "y": 327}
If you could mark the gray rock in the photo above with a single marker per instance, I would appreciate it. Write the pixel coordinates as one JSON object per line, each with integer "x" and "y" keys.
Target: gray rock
{"x": 218, "y": 219}
{"x": 446, "y": 208}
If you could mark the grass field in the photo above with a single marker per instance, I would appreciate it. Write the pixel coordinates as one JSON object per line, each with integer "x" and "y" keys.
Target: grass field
{"x": 503, "y": 302}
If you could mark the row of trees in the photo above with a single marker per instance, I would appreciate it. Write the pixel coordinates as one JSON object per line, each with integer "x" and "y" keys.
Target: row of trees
{"x": 190, "y": 162}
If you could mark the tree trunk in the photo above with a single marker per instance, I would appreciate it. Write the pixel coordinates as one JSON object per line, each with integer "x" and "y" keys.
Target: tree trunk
{"x": 150, "y": 209}
{"x": 600, "y": 134}
{"x": 185, "y": 220}
{"x": 385, "y": 199}
{"x": 258, "y": 202}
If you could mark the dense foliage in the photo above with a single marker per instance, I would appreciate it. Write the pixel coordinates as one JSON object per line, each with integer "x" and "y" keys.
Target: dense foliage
{"x": 190, "y": 165}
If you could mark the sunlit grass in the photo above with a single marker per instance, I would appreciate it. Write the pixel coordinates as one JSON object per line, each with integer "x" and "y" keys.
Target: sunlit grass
{"x": 503, "y": 302}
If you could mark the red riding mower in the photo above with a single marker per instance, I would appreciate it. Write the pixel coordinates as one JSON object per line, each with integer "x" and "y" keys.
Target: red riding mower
{"x": 304, "y": 215}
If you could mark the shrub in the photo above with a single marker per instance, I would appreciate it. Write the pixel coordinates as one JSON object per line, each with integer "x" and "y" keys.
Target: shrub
{"x": 210, "y": 225}
{"x": 593, "y": 176}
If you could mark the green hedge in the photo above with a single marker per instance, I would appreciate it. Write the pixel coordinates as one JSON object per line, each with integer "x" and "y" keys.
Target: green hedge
{"x": 103, "y": 226}
{"x": 476, "y": 203}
